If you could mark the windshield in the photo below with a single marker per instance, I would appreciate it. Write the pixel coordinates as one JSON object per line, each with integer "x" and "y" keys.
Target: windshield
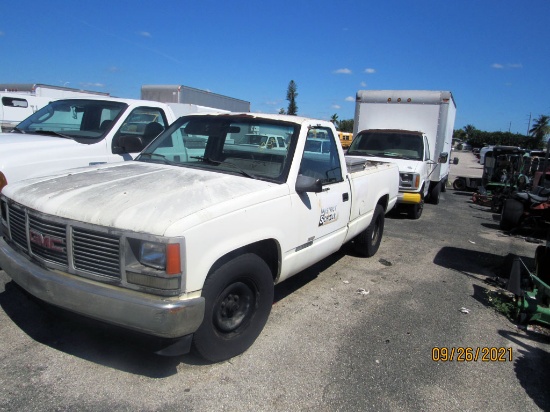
{"x": 256, "y": 148}
{"x": 78, "y": 118}
{"x": 400, "y": 145}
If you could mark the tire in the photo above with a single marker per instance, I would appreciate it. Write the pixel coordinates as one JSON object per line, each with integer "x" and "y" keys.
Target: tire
{"x": 415, "y": 211}
{"x": 368, "y": 241}
{"x": 238, "y": 299}
{"x": 434, "y": 194}
{"x": 512, "y": 211}
{"x": 459, "y": 184}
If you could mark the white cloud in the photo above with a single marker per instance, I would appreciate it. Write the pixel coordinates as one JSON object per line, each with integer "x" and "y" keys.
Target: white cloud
{"x": 145, "y": 34}
{"x": 342, "y": 71}
{"x": 363, "y": 84}
{"x": 507, "y": 66}
{"x": 336, "y": 106}
{"x": 370, "y": 71}
{"x": 92, "y": 85}
{"x": 1, "y": 33}
{"x": 350, "y": 99}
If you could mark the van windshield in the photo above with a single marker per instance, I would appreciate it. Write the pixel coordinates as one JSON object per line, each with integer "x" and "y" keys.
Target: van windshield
{"x": 393, "y": 144}
{"x": 78, "y": 118}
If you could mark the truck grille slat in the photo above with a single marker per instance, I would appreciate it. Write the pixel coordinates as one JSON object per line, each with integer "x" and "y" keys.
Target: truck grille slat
{"x": 18, "y": 227}
{"x": 96, "y": 252}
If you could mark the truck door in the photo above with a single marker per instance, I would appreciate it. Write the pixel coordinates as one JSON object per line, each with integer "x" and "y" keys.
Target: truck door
{"x": 145, "y": 123}
{"x": 322, "y": 217}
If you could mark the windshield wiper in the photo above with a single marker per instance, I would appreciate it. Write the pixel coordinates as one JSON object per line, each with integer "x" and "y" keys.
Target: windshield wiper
{"x": 18, "y": 130}
{"x": 161, "y": 157}
{"x": 233, "y": 165}
{"x": 52, "y": 133}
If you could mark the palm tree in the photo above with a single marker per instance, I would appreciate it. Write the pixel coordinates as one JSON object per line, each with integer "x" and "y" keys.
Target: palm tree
{"x": 469, "y": 129}
{"x": 334, "y": 119}
{"x": 541, "y": 127}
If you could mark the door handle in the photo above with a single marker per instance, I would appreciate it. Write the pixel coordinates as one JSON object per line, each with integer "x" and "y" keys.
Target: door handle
{"x": 345, "y": 197}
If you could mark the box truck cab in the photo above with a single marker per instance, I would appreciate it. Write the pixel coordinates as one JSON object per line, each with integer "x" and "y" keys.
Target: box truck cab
{"x": 414, "y": 129}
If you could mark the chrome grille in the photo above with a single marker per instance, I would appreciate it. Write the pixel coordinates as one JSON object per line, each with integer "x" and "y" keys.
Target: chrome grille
{"x": 18, "y": 229}
{"x": 81, "y": 251}
{"x": 96, "y": 252}
{"x": 48, "y": 240}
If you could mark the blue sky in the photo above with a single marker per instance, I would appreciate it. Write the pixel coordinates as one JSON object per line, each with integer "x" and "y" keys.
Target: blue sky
{"x": 494, "y": 55}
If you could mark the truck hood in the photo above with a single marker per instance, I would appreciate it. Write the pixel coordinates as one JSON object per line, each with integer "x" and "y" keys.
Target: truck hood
{"x": 19, "y": 141}
{"x": 136, "y": 196}
{"x": 14, "y": 147}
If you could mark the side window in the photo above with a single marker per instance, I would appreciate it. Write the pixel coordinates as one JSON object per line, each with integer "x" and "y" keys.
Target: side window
{"x": 144, "y": 122}
{"x": 320, "y": 159}
{"x": 14, "y": 102}
{"x": 426, "y": 149}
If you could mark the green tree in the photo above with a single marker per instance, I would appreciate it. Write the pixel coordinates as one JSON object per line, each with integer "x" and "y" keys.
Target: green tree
{"x": 346, "y": 126}
{"x": 291, "y": 97}
{"x": 541, "y": 128}
{"x": 334, "y": 119}
{"x": 470, "y": 130}
{"x": 282, "y": 110}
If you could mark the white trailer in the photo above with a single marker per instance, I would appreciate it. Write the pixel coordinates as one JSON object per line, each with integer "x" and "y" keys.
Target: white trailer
{"x": 189, "y": 95}
{"x": 20, "y": 100}
{"x": 414, "y": 128}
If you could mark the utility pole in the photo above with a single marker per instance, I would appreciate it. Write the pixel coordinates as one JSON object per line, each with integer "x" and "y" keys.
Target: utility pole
{"x": 528, "y": 125}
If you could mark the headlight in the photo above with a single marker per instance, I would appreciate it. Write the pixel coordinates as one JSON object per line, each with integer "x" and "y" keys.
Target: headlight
{"x": 409, "y": 180}
{"x": 153, "y": 255}
{"x": 155, "y": 264}
{"x": 161, "y": 256}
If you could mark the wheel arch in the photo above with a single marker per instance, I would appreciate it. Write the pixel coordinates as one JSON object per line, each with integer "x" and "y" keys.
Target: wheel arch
{"x": 268, "y": 249}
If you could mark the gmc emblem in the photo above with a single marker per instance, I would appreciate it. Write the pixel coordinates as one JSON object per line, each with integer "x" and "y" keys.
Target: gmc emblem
{"x": 46, "y": 241}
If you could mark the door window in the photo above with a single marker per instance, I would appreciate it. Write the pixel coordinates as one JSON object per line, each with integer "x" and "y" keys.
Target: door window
{"x": 320, "y": 159}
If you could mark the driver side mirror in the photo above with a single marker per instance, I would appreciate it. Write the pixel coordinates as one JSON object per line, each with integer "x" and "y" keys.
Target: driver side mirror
{"x": 443, "y": 157}
{"x": 308, "y": 184}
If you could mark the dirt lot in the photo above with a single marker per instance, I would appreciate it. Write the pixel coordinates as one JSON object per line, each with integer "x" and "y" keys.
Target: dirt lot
{"x": 326, "y": 347}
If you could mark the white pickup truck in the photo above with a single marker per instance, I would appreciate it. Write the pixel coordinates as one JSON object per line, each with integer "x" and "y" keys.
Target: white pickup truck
{"x": 188, "y": 241}
{"x": 84, "y": 131}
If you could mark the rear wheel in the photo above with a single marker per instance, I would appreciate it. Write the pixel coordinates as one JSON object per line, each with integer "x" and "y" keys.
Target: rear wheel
{"x": 459, "y": 184}
{"x": 367, "y": 242}
{"x": 512, "y": 211}
{"x": 238, "y": 299}
{"x": 434, "y": 194}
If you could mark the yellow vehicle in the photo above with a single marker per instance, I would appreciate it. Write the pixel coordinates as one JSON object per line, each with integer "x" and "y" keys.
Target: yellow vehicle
{"x": 345, "y": 139}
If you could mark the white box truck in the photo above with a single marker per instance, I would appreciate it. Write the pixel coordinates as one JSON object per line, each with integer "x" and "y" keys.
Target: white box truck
{"x": 177, "y": 93}
{"x": 413, "y": 128}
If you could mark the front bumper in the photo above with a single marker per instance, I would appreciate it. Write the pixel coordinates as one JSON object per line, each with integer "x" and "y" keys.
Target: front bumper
{"x": 149, "y": 314}
{"x": 409, "y": 198}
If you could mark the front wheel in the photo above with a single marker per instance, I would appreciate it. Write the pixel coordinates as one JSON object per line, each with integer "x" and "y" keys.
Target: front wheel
{"x": 415, "y": 211}
{"x": 238, "y": 299}
{"x": 368, "y": 241}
